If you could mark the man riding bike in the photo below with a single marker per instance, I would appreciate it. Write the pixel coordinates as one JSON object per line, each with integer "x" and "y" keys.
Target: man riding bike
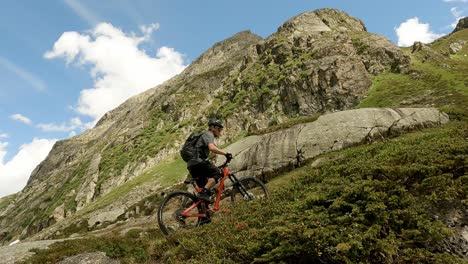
{"x": 204, "y": 172}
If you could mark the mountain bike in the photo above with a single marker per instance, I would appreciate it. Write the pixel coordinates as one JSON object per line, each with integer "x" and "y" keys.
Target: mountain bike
{"x": 184, "y": 210}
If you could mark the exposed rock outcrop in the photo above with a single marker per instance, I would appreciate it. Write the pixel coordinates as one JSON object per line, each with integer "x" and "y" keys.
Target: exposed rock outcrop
{"x": 454, "y": 48}
{"x": 462, "y": 24}
{"x": 317, "y": 62}
{"x": 283, "y": 150}
{"x": 20, "y": 251}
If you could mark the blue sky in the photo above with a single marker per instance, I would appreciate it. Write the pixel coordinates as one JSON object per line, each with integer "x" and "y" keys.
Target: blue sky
{"x": 64, "y": 63}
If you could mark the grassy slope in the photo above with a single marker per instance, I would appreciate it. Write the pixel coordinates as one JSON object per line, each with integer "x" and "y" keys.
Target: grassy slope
{"x": 5, "y": 201}
{"x": 374, "y": 204}
{"x": 370, "y": 204}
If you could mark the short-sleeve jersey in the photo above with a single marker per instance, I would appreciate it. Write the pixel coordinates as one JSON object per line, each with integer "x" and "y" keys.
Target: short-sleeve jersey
{"x": 202, "y": 148}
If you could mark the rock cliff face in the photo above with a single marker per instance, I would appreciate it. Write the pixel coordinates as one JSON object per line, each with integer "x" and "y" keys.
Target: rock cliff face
{"x": 316, "y": 62}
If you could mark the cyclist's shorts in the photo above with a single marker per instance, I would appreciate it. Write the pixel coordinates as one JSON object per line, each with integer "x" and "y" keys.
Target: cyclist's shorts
{"x": 204, "y": 170}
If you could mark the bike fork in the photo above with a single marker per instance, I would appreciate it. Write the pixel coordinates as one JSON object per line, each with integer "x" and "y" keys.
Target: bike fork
{"x": 241, "y": 187}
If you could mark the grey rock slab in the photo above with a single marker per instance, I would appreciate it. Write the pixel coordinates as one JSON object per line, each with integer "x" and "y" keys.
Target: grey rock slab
{"x": 20, "y": 251}
{"x": 282, "y": 150}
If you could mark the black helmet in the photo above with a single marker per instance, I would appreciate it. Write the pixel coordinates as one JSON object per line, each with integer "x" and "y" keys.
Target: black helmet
{"x": 215, "y": 122}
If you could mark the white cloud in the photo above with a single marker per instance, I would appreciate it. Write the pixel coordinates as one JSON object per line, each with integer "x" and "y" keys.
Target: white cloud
{"x": 147, "y": 30}
{"x": 457, "y": 14}
{"x": 412, "y": 30}
{"x": 3, "y": 135}
{"x": 453, "y": 1}
{"x": 30, "y": 78}
{"x": 74, "y": 124}
{"x": 15, "y": 173}
{"x": 83, "y": 12}
{"x": 120, "y": 69}
{"x": 21, "y": 118}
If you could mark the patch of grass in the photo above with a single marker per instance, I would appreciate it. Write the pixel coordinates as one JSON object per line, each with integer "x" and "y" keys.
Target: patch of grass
{"x": 428, "y": 85}
{"x": 147, "y": 144}
{"x": 442, "y": 45}
{"x": 368, "y": 204}
{"x": 360, "y": 46}
{"x": 136, "y": 247}
{"x": 5, "y": 201}
{"x": 164, "y": 174}
{"x": 74, "y": 183}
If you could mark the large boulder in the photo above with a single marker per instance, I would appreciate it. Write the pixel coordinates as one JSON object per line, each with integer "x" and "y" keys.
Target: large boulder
{"x": 272, "y": 153}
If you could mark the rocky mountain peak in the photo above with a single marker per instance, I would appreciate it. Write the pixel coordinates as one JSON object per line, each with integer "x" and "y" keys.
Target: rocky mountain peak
{"x": 222, "y": 52}
{"x": 462, "y": 24}
{"x": 321, "y": 20}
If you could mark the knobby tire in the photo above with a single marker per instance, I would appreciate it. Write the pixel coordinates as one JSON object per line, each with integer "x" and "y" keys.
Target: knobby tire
{"x": 169, "y": 218}
{"x": 256, "y": 190}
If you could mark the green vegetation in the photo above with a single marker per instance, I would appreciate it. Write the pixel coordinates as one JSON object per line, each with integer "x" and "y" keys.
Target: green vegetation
{"x": 441, "y": 83}
{"x": 442, "y": 45}
{"x": 5, "y": 201}
{"x": 164, "y": 174}
{"x": 132, "y": 248}
{"x": 147, "y": 144}
{"x": 360, "y": 46}
{"x": 382, "y": 203}
{"x": 370, "y": 204}
{"x": 37, "y": 216}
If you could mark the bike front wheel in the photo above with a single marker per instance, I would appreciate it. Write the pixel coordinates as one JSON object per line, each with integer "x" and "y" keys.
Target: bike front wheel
{"x": 179, "y": 210}
{"x": 249, "y": 188}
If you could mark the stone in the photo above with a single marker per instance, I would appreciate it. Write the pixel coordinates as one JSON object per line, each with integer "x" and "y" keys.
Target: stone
{"x": 462, "y": 24}
{"x": 103, "y": 217}
{"x": 454, "y": 48}
{"x": 59, "y": 213}
{"x": 89, "y": 258}
{"x": 275, "y": 152}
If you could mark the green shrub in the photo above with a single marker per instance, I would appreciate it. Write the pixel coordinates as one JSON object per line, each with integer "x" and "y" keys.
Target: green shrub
{"x": 373, "y": 204}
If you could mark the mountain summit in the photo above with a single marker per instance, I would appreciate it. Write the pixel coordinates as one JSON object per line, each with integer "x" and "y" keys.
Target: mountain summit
{"x": 322, "y": 20}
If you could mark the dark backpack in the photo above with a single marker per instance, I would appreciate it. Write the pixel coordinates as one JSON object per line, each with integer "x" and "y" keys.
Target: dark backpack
{"x": 189, "y": 151}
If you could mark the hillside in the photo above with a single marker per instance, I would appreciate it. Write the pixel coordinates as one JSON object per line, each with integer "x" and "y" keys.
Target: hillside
{"x": 399, "y": 201}
{"x": 314, "y": 63}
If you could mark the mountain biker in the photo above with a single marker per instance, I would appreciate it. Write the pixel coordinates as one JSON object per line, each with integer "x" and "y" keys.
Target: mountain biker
{"x": 204, "y": 172}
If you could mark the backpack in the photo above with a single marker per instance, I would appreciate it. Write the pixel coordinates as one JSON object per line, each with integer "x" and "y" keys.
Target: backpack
{"x": 189, "y": 151}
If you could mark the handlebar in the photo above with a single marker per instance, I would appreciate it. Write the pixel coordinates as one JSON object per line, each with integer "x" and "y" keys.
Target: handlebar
{"x": 228, "y": 160}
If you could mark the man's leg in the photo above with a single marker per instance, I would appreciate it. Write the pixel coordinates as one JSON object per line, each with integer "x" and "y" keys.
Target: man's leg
{"x": 210, "y": 183}
{"x": 214, "y": 174}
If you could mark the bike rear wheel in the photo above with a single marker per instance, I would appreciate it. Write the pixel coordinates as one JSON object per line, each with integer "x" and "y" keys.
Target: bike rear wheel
{"x": 170, "y": 218}
{"x": 253, "y": 189}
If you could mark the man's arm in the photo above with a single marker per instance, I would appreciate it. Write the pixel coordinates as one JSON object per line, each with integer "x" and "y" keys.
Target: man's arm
{"x": 212, "y": 147}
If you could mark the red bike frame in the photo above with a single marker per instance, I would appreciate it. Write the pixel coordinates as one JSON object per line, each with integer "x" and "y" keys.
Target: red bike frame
{"x": 186, "y": 212}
